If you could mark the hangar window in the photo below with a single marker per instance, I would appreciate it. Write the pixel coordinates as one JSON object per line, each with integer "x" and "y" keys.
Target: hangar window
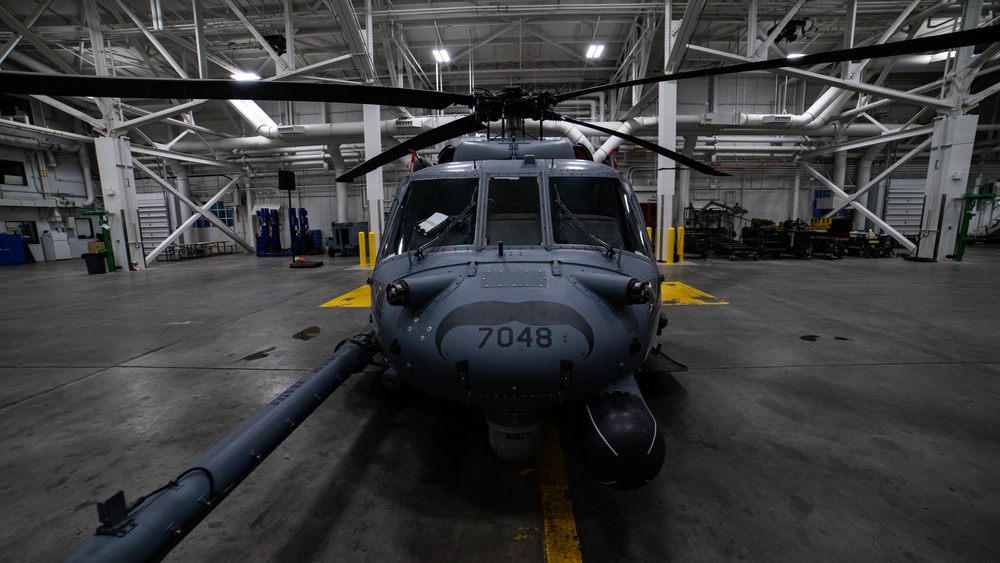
{"x": 12, "y": 173}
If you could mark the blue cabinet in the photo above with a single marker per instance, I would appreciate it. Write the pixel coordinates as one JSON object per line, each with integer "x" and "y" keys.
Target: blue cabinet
{"x": 12, "y": 250}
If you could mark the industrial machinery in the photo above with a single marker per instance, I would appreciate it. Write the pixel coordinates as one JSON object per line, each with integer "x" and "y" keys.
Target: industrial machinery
{"x": 713, "y": 228}
{"x": 344, "y": 237}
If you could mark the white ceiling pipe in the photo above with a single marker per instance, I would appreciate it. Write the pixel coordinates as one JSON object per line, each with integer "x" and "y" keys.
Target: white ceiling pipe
{"x": 809, "y": 119}
{"x": 88, "y": 181}
{"x": 753, "y": 139}
{"x": 257, "y": 117}
{"x": 285, "y": 158}
{"x": 746, "y": 148}
{"x": 284, "y": 150}
{"x": 339, "y": 133}
{"x": 339, "y": 167}
{"x": 592, "y": 104}
{"x": 329, "y": 133}
{"x": 568, "y": 130}
{"x": 30, "y": 143}
{"x": 634, "y": 124}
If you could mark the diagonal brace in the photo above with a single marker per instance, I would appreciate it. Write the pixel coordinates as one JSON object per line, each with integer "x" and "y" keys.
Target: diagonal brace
{"x": 202, "y": 210}
{"x": 862, "y": 209}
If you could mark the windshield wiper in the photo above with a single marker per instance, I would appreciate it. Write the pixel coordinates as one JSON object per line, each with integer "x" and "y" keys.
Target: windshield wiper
{"x": 419, "y": 253}
{"x": 580, "y": 225}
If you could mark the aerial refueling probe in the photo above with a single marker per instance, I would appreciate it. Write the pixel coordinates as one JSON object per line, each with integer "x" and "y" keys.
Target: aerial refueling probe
{"x": 152, "y": 525}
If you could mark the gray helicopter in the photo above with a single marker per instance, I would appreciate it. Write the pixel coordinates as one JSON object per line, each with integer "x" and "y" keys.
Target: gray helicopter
{"x": 521, "y": 284}
{"x": 514, "y": 275}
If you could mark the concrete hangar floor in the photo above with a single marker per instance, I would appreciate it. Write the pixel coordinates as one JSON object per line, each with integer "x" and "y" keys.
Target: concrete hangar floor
{"x": 835, "y": 411}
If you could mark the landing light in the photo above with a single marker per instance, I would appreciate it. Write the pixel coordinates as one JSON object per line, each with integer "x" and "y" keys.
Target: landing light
{"x": 398, "y": 293}
{"x": 638, "y": 292}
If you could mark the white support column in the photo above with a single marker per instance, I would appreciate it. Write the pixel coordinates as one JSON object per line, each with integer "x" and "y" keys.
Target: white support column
{"x": 374, "y": 191}
{"x": 947, "y": 182}
{"x": 793, "y": 205}
{"x": 114, "y": 162}
{"x": 666, "y": 173}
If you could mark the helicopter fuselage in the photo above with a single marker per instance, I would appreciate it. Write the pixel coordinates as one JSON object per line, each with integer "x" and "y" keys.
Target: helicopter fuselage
{"x": 515, "y": 285}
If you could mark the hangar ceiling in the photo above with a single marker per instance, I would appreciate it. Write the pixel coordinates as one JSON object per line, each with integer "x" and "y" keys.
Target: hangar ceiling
{"x": 495, "y": 44}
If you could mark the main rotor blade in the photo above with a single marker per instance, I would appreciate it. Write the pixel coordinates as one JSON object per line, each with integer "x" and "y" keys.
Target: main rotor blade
{"x": 676, "y": 157}
{"x": 212, "y": 89}
{"x": 457, "y": 128}
{"x": 979, "y": 36}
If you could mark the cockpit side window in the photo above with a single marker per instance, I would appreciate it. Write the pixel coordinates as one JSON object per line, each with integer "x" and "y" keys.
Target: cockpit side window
{"x": 600, "y": 205}
{"x": 513, "y": 211}
{"x": 427, "y": 209}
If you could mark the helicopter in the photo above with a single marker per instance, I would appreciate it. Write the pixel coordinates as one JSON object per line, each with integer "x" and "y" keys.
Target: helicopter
{"x": 514, "y": 275}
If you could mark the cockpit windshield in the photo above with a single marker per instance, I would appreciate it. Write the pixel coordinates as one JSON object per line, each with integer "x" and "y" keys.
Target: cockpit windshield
{"x": 513, "y": 212}
{"x": 600, "y": 208}
{"x": 431, "y": 208}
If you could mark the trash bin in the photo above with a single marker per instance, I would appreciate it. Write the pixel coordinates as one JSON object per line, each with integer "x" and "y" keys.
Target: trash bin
{"x": 95, "y": 263}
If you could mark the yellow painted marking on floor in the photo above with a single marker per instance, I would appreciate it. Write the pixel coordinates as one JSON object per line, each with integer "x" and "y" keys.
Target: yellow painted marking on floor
{"x": 360, "y": 297}
{"x": 561, "y": 542}
{"x": 676, "y": 293}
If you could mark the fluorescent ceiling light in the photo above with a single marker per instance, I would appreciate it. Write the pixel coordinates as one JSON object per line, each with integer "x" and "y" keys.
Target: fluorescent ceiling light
{"x": 595, "y": 51}
{"x": 441, "y": 55}
{"x": 795, "y": 56}
{"x": 244, "y": 76}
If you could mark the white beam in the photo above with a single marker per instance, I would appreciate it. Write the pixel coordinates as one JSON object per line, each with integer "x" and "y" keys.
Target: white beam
{"x": 184, "y": 157}
{"x": 862, "y": 209}
{"x": 191, "y": 220}
{"x": 32, "y": 18}
{"x": 40, "y": 44}
{"x": 885, "y": 174}
{"x": 96, "y": 124}
{"x": 833, "y": 81}
{"x": 278, "y": 62}
{"x": 152, "y": 39}
{"x": 207, "y": 214}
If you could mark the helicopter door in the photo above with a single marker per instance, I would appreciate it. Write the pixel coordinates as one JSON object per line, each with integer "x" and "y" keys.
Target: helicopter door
{"x": 513, "y": 212}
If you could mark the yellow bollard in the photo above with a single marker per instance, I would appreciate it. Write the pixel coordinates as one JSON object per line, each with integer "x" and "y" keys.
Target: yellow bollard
{"x": 361, "y": 248}
{"x": 371, "y": 250}
{"x": 670, "y": 245}
{"x": 649, "y": 233}
{"x": 680, "y": 244}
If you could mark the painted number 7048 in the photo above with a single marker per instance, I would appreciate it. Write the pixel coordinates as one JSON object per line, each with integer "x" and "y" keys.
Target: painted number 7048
{"x": 504, "y": 336}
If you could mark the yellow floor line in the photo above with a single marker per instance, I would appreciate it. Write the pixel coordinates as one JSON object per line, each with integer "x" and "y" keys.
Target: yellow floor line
{"x": 561, "y": 542}
{"x": 676, "y": 293}
{"x": 673, "y": 293}
{"x": 360, "y": 297}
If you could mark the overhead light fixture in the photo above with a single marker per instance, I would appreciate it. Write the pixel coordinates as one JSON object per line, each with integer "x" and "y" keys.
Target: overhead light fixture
{"x": 595, "y": 51}
{"x": 794, "y": 56}
{"x": 244, "y": 76}
{"x": 441, "y": 55}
